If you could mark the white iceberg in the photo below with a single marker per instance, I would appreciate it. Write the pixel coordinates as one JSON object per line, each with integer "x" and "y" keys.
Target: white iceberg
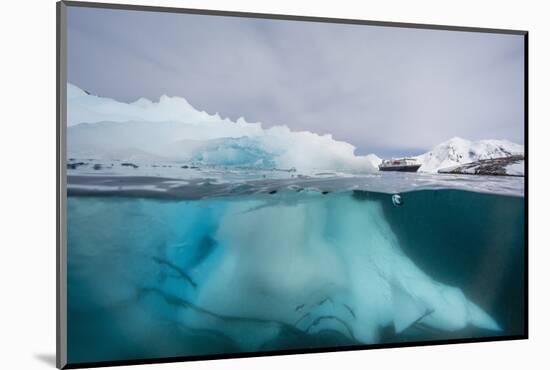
{"x": 171, "y": 128}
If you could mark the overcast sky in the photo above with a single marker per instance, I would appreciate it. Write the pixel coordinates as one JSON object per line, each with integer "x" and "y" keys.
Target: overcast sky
{"x": 384, "y": 89}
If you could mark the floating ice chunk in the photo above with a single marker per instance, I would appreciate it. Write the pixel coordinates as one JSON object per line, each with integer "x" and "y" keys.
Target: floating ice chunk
{"x": 396, "y": 200}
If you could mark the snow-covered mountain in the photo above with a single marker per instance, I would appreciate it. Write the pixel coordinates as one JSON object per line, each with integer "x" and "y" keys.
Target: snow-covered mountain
{"x": 457, "y": 151}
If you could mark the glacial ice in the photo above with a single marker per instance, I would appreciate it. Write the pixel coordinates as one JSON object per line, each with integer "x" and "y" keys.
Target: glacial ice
{"x": 173, "y": 129}
{"x": 304, "y": 263}
{"x": 83, "y": 107}
{"x": 396, "y": 200}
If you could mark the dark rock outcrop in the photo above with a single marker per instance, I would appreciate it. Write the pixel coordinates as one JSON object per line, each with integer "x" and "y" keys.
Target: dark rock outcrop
{"x": 127, "y": 164}
{"x": 75, "y": 165}
{"x": 490, "y": 167}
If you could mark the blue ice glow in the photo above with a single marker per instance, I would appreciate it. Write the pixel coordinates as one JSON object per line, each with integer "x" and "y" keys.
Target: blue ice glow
{"x": 243, "y": 152}
{"x": 274, "y": 271}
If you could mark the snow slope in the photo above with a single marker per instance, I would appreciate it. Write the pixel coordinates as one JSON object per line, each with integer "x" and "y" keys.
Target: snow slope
{"x": 516, "y": 169}
{"x": 457, "y": 151}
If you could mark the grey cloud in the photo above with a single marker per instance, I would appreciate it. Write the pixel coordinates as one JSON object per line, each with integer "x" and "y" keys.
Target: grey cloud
{"x": 382, "y": 89}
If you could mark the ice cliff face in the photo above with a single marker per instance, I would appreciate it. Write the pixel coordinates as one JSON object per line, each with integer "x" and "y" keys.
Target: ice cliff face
{"x": 172, "y": 129}
{"x": 458, "y": 151}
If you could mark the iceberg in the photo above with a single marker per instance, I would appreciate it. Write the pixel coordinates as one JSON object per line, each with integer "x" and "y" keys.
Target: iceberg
{"x": 189, "y": 234}
{"x": 172, "y": 129}
{"x": 255, "y": 271}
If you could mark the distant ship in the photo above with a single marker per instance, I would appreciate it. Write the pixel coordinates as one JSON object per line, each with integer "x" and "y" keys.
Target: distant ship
{"x": 401, "y": 164}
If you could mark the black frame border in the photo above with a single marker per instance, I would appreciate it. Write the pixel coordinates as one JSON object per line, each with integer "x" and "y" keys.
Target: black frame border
{"x": 61, "y": 345}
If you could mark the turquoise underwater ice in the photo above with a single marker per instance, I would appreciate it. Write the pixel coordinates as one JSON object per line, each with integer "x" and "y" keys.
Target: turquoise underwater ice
{"x": 151, "y": 278}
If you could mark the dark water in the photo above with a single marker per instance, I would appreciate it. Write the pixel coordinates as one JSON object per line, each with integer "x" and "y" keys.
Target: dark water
{"x": 151, "y": 278}
{"x": 469, "y": 240}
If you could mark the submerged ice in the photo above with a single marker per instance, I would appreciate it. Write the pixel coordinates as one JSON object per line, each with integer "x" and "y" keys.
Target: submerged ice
{"x": 325, "y": 271}
{"x": 251, "y": 271}
{"x": 352, "y": 272}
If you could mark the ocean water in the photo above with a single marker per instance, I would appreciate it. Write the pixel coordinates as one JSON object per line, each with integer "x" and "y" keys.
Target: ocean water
{"x": 295, "y": 264}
